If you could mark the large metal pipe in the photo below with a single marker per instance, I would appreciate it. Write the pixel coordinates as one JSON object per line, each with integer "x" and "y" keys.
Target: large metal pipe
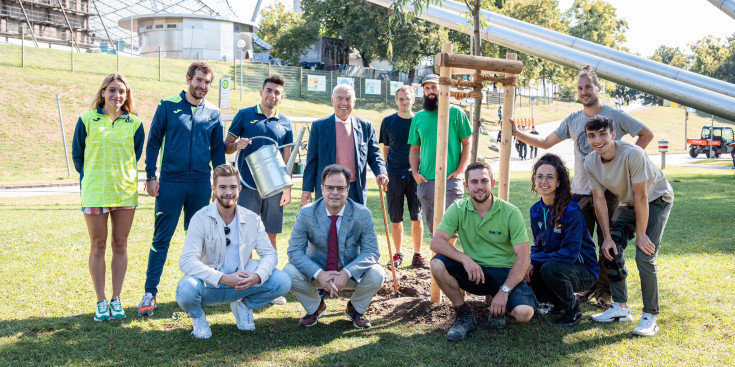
{"x": 702, "y": 99}
{"x": 592, "y": 48}
{"x": 727, "y": 6}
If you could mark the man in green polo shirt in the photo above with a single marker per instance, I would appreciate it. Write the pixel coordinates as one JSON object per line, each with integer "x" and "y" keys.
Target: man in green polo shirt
{"x": 496, "y": 254}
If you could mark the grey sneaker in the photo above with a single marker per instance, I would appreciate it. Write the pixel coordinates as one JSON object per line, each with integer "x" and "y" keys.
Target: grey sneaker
{"x": 243, "y": 316}
{"x": 647, "y": 326}
{"x": 147, "y": 305}
{"x": 201, "y": 327}
{"x": 116, "y": 309}
{"x": 463, "y": 323}
{"x": 614, "y": 313}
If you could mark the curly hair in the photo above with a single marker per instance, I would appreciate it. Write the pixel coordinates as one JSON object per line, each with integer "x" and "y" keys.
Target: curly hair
{"x": 563, "y": 193}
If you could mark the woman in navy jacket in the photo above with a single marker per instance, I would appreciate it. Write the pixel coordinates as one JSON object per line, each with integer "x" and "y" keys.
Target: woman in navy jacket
{"x": 563, "y": 259}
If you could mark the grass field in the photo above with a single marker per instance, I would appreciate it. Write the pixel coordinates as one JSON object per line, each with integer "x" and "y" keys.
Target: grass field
{"x": 46, "y": 315}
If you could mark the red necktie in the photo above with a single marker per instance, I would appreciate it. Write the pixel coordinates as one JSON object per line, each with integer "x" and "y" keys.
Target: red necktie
{"x": 332, "y": 247}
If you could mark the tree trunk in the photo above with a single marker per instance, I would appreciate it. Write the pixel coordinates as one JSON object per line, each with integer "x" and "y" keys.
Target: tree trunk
{"x": 411, "y": 75}
{"x": 478, "y": 103}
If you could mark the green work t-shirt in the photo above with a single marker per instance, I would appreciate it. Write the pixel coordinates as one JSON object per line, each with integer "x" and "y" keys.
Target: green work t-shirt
{"x": 424, "y": 131}
{"x": 488, "y": 241}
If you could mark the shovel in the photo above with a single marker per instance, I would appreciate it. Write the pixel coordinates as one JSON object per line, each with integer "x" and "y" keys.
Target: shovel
{"x": 381, "y": 188}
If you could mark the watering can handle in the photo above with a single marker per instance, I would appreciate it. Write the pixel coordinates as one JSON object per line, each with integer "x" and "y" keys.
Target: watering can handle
{"x": 237, "y": 156}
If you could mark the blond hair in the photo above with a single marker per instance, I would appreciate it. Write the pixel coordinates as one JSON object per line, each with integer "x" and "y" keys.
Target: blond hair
{"x": 99, "y": 100}
{"x": 224, "y": 170}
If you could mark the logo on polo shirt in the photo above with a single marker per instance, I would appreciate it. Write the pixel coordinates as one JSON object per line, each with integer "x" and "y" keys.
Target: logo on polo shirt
{"x": 497, "y": 233}
{"x": 177, "y": 111}
{"x": 280, "y": 128}
{"x": 254, "y": 121}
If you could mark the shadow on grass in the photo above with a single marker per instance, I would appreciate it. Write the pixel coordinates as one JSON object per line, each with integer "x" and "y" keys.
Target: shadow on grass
{"x": 162, "y": 339}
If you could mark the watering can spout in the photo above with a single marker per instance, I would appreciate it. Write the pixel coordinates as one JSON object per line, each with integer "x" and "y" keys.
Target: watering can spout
{"x": 294, "y": 152}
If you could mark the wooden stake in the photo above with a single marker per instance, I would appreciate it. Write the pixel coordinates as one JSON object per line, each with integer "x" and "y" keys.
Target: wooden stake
{"x": 506, "y": 137}
{"x": 440, "y": 174}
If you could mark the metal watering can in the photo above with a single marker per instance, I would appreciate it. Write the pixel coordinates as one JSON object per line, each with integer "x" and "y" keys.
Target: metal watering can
{"x": 270, "y": 174}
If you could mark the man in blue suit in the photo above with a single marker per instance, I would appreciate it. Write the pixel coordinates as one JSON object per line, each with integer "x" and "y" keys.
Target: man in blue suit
{"x": 333, "y": 246}
{"x": 346, "y": 140}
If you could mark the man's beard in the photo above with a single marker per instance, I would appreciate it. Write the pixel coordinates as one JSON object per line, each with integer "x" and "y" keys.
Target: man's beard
{"x": 226, "y": 203}
{"x": 431, "y": 104}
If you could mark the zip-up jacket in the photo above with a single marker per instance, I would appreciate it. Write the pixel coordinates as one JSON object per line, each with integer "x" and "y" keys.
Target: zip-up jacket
{"x": 106, "y": 154}
{"x": 567, "y": 242}
{"x": 189, "y": 138}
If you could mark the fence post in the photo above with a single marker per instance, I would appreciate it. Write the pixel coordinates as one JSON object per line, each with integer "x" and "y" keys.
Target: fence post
{"x": 301, "y": 82}
{"x": 72, "y": 57}
{"x": 197, "y": 55}
{"x": 159, "y": 63}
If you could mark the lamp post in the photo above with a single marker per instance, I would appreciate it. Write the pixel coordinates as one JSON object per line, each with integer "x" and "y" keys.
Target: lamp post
{"x": 241, "y": 45}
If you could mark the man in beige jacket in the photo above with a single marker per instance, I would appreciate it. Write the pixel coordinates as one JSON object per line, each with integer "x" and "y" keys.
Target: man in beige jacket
{"x": 216, "y": 263}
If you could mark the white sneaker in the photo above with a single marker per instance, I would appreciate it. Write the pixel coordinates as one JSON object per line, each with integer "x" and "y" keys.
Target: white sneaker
{"x": 201, "y": 328}
{"x": 116, "y": 309}
{"x": 647, "y": 326}
{"x": 614, "y": 313}
{"x": 102, "y": 311}
{"x": 243, "y": 316}
{"x": 279, "y": 301}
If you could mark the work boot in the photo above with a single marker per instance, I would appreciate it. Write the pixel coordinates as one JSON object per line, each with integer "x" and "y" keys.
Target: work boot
{"x": 463, "y": 323}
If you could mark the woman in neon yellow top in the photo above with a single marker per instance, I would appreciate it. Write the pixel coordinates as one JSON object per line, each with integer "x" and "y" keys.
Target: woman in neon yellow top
{"x": 108, "y": 141}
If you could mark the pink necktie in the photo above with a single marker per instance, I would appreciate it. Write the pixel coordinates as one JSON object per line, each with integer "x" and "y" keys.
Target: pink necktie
{"x": 332, "y": 247}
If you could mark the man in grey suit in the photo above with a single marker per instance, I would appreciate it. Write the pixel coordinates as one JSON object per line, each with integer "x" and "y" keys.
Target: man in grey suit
{"x": 333, "y": 246}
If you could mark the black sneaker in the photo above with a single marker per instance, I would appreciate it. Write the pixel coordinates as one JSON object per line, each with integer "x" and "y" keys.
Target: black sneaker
{"x": 397, "y": 260}
{"x": 463, "y": 324}
{"x": 496, "y": 322}
{"x": 570, "y": 317}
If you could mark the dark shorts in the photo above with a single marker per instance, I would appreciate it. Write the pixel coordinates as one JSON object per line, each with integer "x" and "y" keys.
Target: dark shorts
{"x": 269, "y": 209}
{"x": 521, "y": 295}
{"x": 400, "y": 186}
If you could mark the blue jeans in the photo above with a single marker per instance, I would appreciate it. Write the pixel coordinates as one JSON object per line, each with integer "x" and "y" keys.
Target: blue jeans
{"x": 192, "y": 294}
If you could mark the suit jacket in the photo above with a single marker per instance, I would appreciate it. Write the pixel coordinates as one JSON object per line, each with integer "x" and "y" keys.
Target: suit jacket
{"x": 358, "y": 242}
{"x": 322, "y": 147}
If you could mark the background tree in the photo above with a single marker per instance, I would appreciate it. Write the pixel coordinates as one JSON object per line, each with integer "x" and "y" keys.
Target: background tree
{"x": 596, "y": 21}
{"x": 710, "y": 54}
{"x": 670, "y": 56}
{"x": 417, "y": 41}
{"x": 364, "y": 26}
{"x": 288, "y": 33}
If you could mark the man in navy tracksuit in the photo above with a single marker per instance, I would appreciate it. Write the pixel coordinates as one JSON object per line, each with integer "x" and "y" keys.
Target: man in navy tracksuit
{"x": 190, "y": 135}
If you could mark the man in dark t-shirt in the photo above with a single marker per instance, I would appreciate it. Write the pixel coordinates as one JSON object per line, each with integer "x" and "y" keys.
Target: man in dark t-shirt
{"x": 394, "y": 136}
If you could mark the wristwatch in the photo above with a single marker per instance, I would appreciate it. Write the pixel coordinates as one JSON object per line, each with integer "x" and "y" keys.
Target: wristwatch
{"x": 505, "y": 288}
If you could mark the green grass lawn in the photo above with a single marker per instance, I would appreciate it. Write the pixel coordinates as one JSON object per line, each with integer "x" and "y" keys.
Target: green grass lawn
{"x": 46, "y": 314}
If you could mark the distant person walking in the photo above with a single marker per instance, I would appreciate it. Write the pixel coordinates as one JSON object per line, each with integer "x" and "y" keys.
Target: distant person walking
{"x": 194, "y": 134}
{"x": 108, "y": 142}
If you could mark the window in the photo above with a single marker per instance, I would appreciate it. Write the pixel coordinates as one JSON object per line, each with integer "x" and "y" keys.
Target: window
{"x": 170, "y": 25}
{"x": 159, "y": 26}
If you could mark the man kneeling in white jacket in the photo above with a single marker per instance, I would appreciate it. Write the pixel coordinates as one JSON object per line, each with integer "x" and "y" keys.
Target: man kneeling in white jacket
{"x": 216, "y": 259}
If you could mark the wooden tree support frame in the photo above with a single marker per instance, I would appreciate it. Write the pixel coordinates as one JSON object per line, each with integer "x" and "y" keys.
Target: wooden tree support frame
{"x": 445, "y": 61}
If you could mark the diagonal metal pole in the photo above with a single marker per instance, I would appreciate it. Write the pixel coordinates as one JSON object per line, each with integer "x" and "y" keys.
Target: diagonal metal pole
{"x": 102, "y": 21}
{"x": 30, "y": 26}
{"x": 71, "y": 30}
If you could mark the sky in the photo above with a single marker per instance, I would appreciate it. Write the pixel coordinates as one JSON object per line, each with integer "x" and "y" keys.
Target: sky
{"x": 651, "y": 23}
